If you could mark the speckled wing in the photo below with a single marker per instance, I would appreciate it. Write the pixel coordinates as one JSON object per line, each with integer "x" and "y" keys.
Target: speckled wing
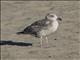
{"x": 36, "y": 27}
{"x": 39, "y": 25}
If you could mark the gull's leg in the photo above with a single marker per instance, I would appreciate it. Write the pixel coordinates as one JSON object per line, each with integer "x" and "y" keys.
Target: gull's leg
{"x": 41, "y": 41}
{"x": 47, "y": 42}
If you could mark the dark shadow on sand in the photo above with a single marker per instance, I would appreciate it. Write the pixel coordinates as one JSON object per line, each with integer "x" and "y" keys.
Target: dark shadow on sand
{"x": 15, "y": 43}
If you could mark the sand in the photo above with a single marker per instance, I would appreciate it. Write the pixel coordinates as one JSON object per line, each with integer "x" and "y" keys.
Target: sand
{"x": 64, "y": 44}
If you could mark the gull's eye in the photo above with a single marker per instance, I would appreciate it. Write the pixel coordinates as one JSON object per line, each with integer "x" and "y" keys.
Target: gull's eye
{"x": 51, "y": 16}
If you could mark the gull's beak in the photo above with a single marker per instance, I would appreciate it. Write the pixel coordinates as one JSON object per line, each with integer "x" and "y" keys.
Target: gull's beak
{"x": 59, "y": 19}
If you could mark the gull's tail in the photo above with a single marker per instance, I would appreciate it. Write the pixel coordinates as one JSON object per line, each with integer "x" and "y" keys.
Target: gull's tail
{"x": 20, "y": 33}
{"x": 27, "y": 30}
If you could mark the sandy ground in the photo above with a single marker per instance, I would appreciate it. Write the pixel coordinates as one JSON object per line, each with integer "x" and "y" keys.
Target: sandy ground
{"x": 15, "y": 16}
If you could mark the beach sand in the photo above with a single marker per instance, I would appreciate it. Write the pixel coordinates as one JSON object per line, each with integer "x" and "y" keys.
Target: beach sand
{"x": 64, "y": 43}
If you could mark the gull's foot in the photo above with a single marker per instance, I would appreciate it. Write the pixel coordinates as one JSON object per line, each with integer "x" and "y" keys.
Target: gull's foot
{"x": 44, "y": 46}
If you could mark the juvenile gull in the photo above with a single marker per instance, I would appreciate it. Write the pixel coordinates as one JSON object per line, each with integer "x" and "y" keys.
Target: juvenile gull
{"x": 42, "y": 28}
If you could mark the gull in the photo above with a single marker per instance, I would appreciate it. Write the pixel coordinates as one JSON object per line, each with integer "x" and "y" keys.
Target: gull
{"x": 43, "y": 28}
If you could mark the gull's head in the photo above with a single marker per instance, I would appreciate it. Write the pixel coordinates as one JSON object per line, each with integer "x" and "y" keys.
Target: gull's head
{"x": 52, "y": 17}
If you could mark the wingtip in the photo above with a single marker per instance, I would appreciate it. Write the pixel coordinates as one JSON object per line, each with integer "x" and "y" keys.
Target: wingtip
{"x": 19, "y": 33}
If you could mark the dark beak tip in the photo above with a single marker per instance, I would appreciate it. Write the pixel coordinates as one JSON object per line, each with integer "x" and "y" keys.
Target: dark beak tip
{"x": 60, "y": 19}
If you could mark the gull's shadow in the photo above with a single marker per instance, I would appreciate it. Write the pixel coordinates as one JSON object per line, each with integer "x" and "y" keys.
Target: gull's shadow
{"x": 15, "y": 43}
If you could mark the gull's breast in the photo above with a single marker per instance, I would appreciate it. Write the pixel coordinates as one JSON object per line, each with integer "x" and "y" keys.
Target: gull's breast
{"x": 50, "y": 29}
{"x": 55, "y": 26}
